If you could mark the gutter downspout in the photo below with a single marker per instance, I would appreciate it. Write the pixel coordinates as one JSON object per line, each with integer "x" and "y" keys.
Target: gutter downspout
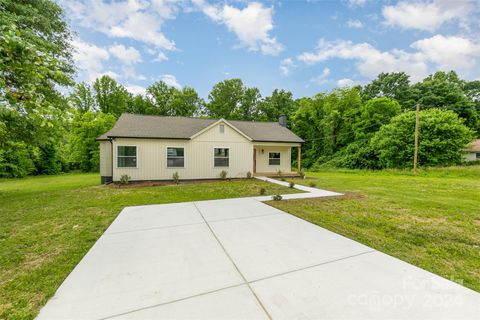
{"x": 111, "y": 148}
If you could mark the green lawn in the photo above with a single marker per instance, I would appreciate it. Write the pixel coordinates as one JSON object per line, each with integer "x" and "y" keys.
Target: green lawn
{"x": 431, "y": 220}
{"x": 48, "y": 223}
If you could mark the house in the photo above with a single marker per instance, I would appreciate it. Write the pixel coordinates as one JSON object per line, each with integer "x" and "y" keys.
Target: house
{"x": 472, "y": 152}
{"x": 155, "y": 147}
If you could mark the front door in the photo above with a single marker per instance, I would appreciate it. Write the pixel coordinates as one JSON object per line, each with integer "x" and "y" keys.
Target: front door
{"x": 254, "y": 160}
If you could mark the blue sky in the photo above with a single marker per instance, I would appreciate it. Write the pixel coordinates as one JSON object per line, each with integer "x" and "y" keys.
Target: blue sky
{"x": 302, "y": 46}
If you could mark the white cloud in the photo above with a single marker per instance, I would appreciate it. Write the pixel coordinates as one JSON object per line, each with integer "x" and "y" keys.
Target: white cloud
{"x": 358, "y": 3}
{"x": 322, "y": 78}
{"x": 134, "y": 19}
{"x": 160, "y": 57}
{"x": 345, "y": 82}
{"x": 128, "y": 55}
{"x": 286, "y": 65}
{"x": 450, "y": 53}
{"x": 252, "y": 25}
{"x": 356, "y": 24}
{"x": 170, "y": 80}
{"x": 428, "y": 15}
{"x": 89, "y": 59}
{"x": 428, "y": 55}
{"x": 131, "y": 73}
{"x": 135, "y": 89}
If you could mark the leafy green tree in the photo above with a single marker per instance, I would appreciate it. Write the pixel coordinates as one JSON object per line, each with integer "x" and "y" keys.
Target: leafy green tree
{"x": 82, "y": 98}
{"x": 167, "y": 100}
{"x": 373, "y": 114}
{"x": 110, "y": 96}
{"x": 35, "y": 54}
{"x": 442, "y": 138}
{"x": 85, "y": 128}
{"x": 444, "y": 90}
{"x": 280, "y": 102}
{"x": 230, "y": 99}
{"x": 394, "y": 85}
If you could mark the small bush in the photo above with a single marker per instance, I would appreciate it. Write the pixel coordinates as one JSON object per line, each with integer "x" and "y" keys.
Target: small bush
{"x": 125, "y": 179}
{"x": 302, "y": 174}
{"x": 277, "y": 197}
{"x": 223, "y": 174}
{"x": 279, "y": 173}
{"x": 291, "y": 184}
{"x": 176, "y": 177}
{"x": 312, "y": 184}
{"x": 283, "y": 179}
{"x": 262, "y": 191}
{"x": 249, "y": 175}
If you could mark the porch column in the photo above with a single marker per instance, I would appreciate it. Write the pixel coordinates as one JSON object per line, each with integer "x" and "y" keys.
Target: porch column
{"x": 299, "y": 159}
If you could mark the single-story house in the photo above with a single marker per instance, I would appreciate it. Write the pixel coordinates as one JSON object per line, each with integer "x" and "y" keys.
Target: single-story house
{"x": 472, "y": 152}
{"x": 155, "y": 147}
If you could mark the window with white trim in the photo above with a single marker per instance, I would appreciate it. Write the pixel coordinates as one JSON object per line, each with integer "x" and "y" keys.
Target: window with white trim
{"x": 175, "y": 157}
{"x": 221, "y": 157}
{"x": 126, "y": 156}
{"x": 274, "y": 158}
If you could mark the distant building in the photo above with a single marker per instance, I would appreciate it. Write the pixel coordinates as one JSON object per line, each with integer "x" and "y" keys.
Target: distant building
{"x": 472, "y": 152}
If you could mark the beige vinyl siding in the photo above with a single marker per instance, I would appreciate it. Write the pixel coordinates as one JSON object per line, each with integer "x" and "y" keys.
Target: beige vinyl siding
{"x": 105, "y": 159}
{"x": 262, "y": 159}
{"x": 469, "y": 156}
{"x": 199, "y": 160}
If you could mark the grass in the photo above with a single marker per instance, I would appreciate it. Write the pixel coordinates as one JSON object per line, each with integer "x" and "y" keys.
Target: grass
{"x": 431, "y": 220}
{"x": 48, "y": 223}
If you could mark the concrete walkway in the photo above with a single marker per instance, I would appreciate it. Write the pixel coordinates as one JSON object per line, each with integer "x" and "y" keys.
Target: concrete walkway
{"x": 242, "y": 259}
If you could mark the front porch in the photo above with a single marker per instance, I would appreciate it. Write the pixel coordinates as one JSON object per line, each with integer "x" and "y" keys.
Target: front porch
{"x": 271, "y": 158}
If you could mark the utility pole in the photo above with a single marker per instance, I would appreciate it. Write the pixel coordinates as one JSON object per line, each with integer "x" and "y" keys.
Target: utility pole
{"x": 417, "y": 124}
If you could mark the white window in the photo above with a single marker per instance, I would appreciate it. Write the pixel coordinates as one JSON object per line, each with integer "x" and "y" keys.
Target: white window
{"x": 221, "y": 128}
{"x": 175, "y": 157}
{"x": 274, "y": 158}
{"x": 477, "y": 156}
{"x": 126, "y": 156}
{"x": 221, "y": 157}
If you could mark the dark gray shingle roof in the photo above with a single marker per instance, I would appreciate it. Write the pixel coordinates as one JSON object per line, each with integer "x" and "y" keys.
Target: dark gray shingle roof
{"x": 143, "y": 126}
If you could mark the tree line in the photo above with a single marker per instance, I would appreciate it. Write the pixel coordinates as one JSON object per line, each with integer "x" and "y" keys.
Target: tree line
{"x": 45, "y": 131}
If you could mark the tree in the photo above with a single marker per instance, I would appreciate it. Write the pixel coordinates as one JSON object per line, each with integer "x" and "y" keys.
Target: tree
{"x": 82, "y": 98}
{"x": 394, "y": 85}
{"x": 444, "y": 90}
{"x": 167, "y": 100}
{"x": 442, "y": 138}
{"x": 280, "y": 102}
{"x": 35, "y": 54}
{"x": 35, "y": 60}
{"x": 230, "y": 99}
{"x": 85, "y": 128}
{"x": 373, "y": 114}
{"x": 110, "y": 97}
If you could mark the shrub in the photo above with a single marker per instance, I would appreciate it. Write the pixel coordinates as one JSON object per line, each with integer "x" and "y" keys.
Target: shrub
{"x": 249, "y": 175}
{"x": 291, "y": 184}
{"x": 223, "y": 174}
{"x": 277, "y": 197}
{"x": 176, "y": 177}
{"x": 312, "y": 184}
{"x": 125, "y": 179}
{"x": 262, "y": 191}
{"x": 279, "y": 173}
{"x": 302, "y": 173}
{"x": 283, "y": 179}
{"x": 442, "y": 136}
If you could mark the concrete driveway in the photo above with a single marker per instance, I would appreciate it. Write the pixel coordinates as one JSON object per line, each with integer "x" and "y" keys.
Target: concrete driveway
{"x": 242, "y": 259}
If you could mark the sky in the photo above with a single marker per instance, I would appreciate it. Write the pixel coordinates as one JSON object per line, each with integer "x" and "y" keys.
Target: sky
{"x": 305, "y": 47}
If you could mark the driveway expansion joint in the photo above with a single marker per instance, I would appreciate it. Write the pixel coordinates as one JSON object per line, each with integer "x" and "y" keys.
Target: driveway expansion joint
{"x": 233, "y": 262}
